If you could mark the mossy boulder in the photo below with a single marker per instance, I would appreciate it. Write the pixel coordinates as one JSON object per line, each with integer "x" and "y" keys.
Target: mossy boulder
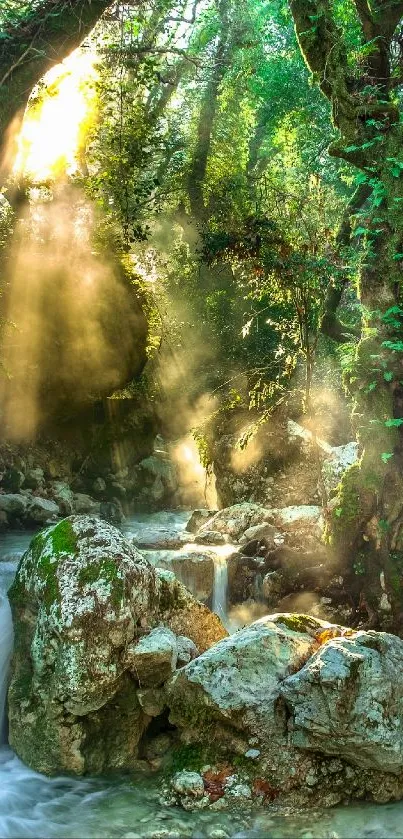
{"x": 82, "y": 596}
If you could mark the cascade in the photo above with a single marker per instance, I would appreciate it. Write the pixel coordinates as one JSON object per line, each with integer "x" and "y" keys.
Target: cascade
{"x": 220, "y": 589}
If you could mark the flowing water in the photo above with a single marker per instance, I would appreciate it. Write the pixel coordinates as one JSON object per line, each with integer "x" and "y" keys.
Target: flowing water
{"x": 130, "y": 808}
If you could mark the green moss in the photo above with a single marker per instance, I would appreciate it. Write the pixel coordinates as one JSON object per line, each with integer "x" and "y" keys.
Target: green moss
{"x": 107, "y": 571}
{"x": 298, "y": 623}
{"x": 63, "y": 537}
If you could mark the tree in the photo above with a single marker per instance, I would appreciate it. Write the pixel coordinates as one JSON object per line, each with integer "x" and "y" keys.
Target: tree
{"x": 34, "y": 36}
{"x": 355, "y": 53}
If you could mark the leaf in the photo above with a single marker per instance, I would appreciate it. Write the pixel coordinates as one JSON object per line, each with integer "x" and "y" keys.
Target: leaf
{"x": 338, "y": 511}
{"x": 398, "y": 256}
{"x": 394, "y": 423}
{"x": 386, "y": 456}
{"x": 388, "y": 376}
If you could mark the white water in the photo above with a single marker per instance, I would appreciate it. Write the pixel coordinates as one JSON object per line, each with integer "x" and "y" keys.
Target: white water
{"x": 220, "y": 589}
{"x": 124, "y": 808}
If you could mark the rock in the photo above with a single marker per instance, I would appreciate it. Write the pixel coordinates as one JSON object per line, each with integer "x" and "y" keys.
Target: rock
{"x": 262, "y": 533}
{"x": 211, "y": 537}
{"x": 34, "y": 478}
{"x": 85, "y": 505}
{"x": 296, "y": 517}
{"x": 162, "y": 470}
{"x": 112, "y": 511}
{"x": 236, "y": 683}
{"x": 82, "y": 597}
{"x": 13, "y": 505}
{"x": 233, "y": 521}
{"x": 198, "y": 518}
{"x": 186, "y": 616}
{"x": 153, "y": 659}
{"x": 99, "y": 486}
{"x": 338, "y": 460}
{"x": 195, "y": 569}
{"x": 272, "y": 587}
{"x": 41, "y": 510}
{"x": 13, "y": 480}
{"x": 152, "y": 701}
{"x": 64, "y": 498}
{"x": 151, "y": 540}
{"x": 347, "y": 701}
{"x": 187, "y": 650}
{"x": 188, "y": 784}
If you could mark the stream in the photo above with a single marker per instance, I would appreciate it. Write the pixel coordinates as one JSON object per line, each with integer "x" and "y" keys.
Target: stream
{"x": 124, "y": 807}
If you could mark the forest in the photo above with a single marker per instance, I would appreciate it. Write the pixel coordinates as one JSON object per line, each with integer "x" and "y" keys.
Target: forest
{"x": 201, "y": 419}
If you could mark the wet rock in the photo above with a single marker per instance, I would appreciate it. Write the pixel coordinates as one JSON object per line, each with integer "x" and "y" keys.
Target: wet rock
{"x": 84, "y": 600}
{"x": 347, "y": 701}
{"x": 233, "y": 521}
{"x": 198, "y": 518}
{"x": 153, "y": 659}
{"x": 41, "y": 510}
{"x": 152, "y": 701}
{"x": 112, "y": 511}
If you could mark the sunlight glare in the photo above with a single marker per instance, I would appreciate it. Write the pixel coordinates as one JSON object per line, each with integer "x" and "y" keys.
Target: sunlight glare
{"x": 56, "y": 121}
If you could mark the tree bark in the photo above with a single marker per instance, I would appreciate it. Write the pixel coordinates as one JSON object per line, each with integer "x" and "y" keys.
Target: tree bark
{"x": 41, "y": 39}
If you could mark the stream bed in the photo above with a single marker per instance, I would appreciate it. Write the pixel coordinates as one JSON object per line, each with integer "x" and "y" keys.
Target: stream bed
{"x": 124, "y": 807}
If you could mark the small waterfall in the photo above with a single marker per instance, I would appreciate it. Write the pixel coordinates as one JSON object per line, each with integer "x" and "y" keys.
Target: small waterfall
{"x": 220, "y": 589}
{"x": 6, "y": 648}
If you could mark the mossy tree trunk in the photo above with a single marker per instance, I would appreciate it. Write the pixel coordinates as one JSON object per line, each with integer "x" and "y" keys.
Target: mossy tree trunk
{"x": 39, "y": 39}
{"x": 366, "y": 519}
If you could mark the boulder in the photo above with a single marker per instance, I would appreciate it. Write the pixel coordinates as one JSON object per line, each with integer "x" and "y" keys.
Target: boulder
{"x": 198, "y": 518}
{"x": 348, "y": 701}
{"x": 160, "y": 540}
{"x": 13, "y": 505}
{"x": 41, "y": 510}
{"x": 234, "y": 688}
{"x": 233, "y": 521}
{"x": 195, "y": 569}
{"x": 13, "y": 480}
{"x": 85, "y": 505}
{"x": 34, "y": 478}
{"x": 84, "y": 601}
{"x": 63, "y": 495}
{"x": 262, "y": 533}
{"x": 161, "y": 472}
{"x": 153, "y": 659}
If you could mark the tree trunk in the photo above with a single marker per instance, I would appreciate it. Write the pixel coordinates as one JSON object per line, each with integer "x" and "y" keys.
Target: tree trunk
{"x": 365, "y": 524}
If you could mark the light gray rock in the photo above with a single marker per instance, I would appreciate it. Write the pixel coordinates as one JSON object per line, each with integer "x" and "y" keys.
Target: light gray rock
{"x": 198, "y": 518}
{"x": 160, "y": 540}
{"x": 261, "y": 532}
{"x": 237, "y": 681}
{"x": 42, "y": 510}
{"x": 187, "y": 650}
{"x": 92, "y": 619}
{"x": 13, "y": 505}
{"x": 188, "y": 784}
{"x": 163, "y": 470}
{"x": 85, "y": 505}
{"x": 64, "y": 498}
{"x": 99, "y": 486}
{"x": 233, "y": 521}
{"x": 153, "y": 659}
{"x": 336, "y": 463}
{"x": 348, "y": 701}
{"x": 195, "y": 569}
